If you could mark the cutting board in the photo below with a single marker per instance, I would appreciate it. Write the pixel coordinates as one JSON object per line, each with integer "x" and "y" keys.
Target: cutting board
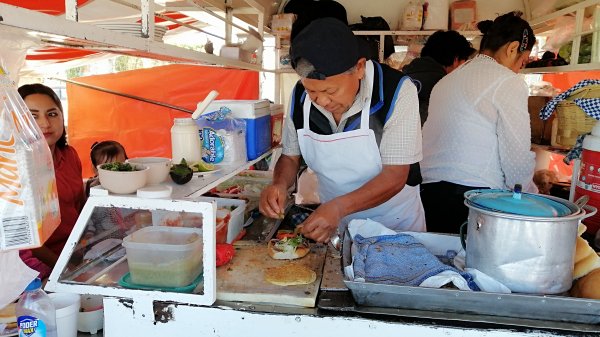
{"x": 243, "y": 278}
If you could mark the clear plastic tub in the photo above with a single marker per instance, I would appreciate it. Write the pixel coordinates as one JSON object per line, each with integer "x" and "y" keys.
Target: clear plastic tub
{"x": 164, "y": 256}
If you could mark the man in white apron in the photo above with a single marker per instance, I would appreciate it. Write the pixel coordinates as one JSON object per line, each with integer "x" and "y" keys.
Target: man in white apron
{"x": 356, "y": 125}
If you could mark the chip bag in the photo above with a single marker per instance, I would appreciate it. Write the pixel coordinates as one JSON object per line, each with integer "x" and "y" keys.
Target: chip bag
{"x": 29, "y": 209}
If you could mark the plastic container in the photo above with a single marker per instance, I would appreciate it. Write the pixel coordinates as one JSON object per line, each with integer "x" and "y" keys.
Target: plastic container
{"x": 236, "y": 221}
{"x": 91, "y": 317}
{"x": 247, "y": 184}
{"x": 67, "y": 306}
{"x": 164, "y": 256}
{"x": 223, "y": 218}
{"x": 185, "y": 142}
{"x": 276, "y": 123}
{"x": 159, "y": 168}
{"x": 257, "y": 115}
{"x": 36, "y": 315}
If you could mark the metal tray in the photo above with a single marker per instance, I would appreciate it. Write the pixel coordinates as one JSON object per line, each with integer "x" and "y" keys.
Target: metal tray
{"x": 551, "y": 308}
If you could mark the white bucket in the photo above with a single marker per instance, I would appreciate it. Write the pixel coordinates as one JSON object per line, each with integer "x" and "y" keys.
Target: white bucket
{"x": 67, "y": 307}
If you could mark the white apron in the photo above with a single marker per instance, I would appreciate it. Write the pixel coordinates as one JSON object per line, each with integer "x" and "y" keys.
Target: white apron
{"x": 345, "y": 161}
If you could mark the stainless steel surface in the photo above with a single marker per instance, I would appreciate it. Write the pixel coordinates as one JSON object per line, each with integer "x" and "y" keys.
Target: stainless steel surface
{"x": 521, "y": 306}
{"x": 527, "y": 254}
{"x": 333, "y": 276}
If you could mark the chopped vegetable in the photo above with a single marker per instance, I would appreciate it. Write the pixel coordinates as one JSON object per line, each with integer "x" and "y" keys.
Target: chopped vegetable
{"x": 118, "y": 166}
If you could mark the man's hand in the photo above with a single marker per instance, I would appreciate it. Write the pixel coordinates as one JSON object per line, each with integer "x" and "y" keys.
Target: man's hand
{"x": 323, "y": 222}
{"x": 272, "y": 201}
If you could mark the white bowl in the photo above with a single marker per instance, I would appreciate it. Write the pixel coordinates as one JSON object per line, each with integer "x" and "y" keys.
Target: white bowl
{"x": 123, "y": 182}
{"x": 159, "y": 168}
{"x": 91, "y": 318}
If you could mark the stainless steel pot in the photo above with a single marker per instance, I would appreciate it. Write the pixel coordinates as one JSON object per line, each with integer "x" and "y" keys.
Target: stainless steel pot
{"x": 527, "y": 254}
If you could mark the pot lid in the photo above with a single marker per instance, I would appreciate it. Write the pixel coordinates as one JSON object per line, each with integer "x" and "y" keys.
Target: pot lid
{"x": 515, "y": 202}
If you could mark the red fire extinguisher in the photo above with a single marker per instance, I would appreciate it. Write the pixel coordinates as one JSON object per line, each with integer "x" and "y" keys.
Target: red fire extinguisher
{"x": 588, "y": 180}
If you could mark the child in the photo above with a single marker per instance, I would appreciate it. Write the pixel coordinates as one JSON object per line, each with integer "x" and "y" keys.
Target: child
{"x": 108, "y": 151}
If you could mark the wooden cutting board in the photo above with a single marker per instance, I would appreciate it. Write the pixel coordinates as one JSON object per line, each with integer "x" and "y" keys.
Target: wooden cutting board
{"x": 243, "y": 278}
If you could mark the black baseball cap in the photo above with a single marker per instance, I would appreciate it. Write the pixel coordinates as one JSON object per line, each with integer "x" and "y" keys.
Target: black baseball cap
{"x": 328, "y": 44}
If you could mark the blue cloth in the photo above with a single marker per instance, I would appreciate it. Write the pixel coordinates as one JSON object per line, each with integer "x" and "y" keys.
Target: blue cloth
{"x": 399, "y": 260}
{"x": 591, "y": 106}
{"x": 575, "y": 152}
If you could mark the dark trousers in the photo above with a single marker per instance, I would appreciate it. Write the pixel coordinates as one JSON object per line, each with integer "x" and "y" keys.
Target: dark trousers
{"x": 444, "y": 206}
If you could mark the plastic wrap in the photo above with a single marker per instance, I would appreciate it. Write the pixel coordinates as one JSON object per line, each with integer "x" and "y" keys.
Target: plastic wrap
{"x": 29, "y": 209}
{"x": 223, "y": 137}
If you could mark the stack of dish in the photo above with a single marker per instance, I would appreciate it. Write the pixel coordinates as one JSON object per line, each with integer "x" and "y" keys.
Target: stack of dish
{"x": 133, "y": 29}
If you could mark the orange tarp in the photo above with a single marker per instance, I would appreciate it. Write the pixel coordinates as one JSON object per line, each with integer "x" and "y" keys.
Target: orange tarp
{"x": 143, "y": 128}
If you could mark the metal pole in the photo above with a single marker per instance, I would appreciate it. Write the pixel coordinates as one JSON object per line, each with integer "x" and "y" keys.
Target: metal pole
{"x": 137, "y": 98}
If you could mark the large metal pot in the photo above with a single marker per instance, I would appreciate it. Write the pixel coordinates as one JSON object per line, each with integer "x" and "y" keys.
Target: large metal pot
{"x": 528, "y": 254}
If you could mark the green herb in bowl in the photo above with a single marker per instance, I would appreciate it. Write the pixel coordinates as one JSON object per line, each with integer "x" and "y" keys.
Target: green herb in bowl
{"x": 118, "y": 166}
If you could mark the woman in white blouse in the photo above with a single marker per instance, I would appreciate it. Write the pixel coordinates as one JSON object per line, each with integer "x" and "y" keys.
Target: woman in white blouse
{"x": 478, "y": 132}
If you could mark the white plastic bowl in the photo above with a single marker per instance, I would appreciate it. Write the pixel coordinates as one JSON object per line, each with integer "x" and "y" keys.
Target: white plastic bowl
{"x": 159, "y": 168}
{"x": 91, "y": 319}
{"x": 123, "y": 182}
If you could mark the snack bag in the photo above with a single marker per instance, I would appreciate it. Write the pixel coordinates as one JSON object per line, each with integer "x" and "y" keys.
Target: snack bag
{"x": 29, "y": 210}
{"x": 223, "y": 137}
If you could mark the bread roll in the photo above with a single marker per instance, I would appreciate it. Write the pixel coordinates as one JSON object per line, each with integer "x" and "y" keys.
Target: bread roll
{"x": 276, "y": 254}
{"x": 582, "y": 249}
{"x": 588, "y": 286}
{"x": 7, "y": 314}
{"x": 581, "y": 229}
{"x": 586, "y": 265}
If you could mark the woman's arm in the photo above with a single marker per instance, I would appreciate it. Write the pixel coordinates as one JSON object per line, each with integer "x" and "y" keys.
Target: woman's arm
{"x": 514, "y": 134}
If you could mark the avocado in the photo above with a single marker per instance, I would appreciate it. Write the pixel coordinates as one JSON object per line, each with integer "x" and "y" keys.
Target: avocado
{"x": 181, "y": 173}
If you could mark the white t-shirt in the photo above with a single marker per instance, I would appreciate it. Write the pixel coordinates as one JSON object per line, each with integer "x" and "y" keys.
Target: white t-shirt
{"x": 478, "y": 131}
{"x": 401, "y": 138}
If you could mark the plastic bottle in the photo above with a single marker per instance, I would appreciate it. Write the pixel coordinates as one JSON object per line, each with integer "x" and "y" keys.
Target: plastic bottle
{"x": 185, "y": 141}
{"x": 36, "y": 315}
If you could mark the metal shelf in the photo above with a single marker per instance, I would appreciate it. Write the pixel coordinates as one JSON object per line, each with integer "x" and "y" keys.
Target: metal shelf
{"x": 58, "y": 31}
{"x": 201, "y": 183}
{"x": 561, "y": 69}
{"x": 545, "y": 23}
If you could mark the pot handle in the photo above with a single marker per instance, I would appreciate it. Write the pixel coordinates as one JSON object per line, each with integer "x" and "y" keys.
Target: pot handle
{"x": 463, "y": 235}
{"x": 590, "y": 211}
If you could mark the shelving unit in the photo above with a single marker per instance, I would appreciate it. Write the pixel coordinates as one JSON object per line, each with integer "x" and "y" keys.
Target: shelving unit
{"x": 61, "y": 32}
{"x": 545, "y": 23}
{"x": 201, "y": 183}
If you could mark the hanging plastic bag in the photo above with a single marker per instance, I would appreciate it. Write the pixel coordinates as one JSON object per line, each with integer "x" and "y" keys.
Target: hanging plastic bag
{"x": 29, "y": 210}
{"x": 223, "y": 137}
{"x": 412, "y": 18}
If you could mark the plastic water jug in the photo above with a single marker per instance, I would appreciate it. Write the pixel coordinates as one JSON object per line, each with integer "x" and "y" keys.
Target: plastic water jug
{"x": 36, "y": 315}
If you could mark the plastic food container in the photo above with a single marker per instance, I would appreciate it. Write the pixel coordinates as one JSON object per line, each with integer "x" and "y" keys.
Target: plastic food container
{"x": 164, "y": 256}
{"x": 236, "y": 221}
{"x": 276, "y": 123}
{"x": 257, "y": 115}
{"x": 247, "y": 184}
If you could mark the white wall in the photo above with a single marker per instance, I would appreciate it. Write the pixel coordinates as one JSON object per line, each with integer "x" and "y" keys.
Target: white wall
{"x": 391, "y": 10}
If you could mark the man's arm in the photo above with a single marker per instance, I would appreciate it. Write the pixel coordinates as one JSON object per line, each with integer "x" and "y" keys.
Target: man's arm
{"x": 322, "y": 223}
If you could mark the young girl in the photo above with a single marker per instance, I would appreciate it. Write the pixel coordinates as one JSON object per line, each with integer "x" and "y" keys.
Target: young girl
{"x": 108, "y": 151}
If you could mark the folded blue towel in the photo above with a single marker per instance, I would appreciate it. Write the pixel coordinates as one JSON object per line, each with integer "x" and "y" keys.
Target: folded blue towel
{"x": 398, "y": 259}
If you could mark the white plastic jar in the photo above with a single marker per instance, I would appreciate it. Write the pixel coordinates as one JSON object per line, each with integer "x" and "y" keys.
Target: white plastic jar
{"x": 185, "y": 141}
